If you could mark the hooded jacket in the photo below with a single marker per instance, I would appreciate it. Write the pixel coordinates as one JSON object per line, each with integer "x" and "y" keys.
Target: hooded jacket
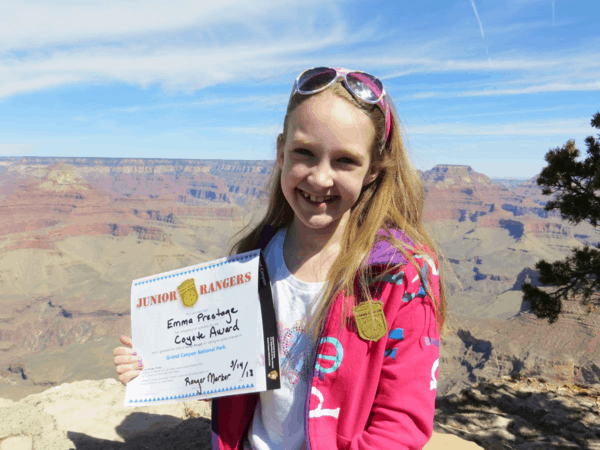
{"x": 363, "y": 394}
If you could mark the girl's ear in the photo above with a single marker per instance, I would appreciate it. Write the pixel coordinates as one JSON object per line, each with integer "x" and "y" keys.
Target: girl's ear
{"x": 371, "y": 176}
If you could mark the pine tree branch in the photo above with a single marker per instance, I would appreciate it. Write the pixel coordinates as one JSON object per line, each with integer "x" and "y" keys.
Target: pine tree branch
{"x": 573, "y": 184}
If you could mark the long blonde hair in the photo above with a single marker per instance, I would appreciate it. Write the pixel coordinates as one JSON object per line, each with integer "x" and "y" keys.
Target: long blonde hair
{"x": 394, "y": 200}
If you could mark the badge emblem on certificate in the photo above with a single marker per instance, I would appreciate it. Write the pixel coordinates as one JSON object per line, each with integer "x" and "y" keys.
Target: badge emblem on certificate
{"x": 187, "y": 291}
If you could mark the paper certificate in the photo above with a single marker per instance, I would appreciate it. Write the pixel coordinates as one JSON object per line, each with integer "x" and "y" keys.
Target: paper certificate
{"x": 197, "y": 330}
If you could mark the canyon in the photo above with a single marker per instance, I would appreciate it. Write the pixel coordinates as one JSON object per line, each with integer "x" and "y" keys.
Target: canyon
{"x": 74, "y": 233}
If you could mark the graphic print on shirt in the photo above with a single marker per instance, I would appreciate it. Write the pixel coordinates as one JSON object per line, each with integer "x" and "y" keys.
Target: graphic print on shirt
{"x": 292, "y": 351}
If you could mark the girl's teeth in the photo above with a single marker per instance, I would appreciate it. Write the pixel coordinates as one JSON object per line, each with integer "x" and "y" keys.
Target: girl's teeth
{"x": 315, "y": 199}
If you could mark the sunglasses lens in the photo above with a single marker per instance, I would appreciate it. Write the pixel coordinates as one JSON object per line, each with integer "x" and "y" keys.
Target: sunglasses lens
{"x": 315, "y": 79}
{"x": 365, "y": 86}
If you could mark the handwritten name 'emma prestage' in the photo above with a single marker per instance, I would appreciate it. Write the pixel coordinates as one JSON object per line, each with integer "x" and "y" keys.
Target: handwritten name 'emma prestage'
{"x": 215, "y": 286}
{"x": 215, "y": 331}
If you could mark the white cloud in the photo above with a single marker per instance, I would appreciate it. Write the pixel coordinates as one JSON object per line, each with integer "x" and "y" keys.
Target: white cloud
{"x": 255, "y": 100}
{"x": 16, "y": 149}
{"x": 189, "y": 65}
{"x": 268, "y": 100}
{"x": 478, "y": 19}
{"x": 267, "y": 130}
{"x": 11, "y": 85}
{"x": 550, "y": 87}
{"x": 528, "y": 1}
{"x": 42, "y": 23}
{"x": 575, "y": 69}
{"x": 566, "y": 71}
{"x": 480, "y": 28}
{"x": 189, "y": 45}
{"x": 502, "y": 113}
{"x": 568, "y": 62}
{"x": 514, "y": 27}
{"x": 541, "y": 128}
{"x": 539, "y": 89}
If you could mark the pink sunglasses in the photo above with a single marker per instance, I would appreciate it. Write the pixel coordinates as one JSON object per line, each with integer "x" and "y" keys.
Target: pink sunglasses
{"x": 361, "y": 85}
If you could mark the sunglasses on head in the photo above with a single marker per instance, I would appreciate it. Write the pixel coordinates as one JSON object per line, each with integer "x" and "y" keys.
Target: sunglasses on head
{"x": 361, "y": 85}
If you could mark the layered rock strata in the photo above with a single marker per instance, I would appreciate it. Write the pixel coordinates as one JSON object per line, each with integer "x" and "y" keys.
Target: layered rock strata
{"x": 74, "y": 232}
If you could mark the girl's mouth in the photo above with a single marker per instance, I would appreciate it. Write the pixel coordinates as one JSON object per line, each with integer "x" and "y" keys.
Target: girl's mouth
{"x": 318, "y": 201}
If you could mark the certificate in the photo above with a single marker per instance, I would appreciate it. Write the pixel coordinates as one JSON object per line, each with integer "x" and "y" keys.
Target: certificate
{"x": 197, "y": 329}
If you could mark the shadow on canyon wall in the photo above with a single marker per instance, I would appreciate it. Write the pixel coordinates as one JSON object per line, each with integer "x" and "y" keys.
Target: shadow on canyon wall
{"x": 190, "y": 434}
{"x": 506, "y": 416}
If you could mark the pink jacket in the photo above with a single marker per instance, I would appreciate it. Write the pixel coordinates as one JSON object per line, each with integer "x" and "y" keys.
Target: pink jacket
{"x": 363, "y": 394}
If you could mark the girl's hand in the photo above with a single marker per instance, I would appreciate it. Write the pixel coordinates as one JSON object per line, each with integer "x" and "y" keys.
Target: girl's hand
{"x": 129, "y": 364}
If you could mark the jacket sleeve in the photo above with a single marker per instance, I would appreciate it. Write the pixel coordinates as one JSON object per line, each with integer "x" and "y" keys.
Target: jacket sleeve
{"x": 402, "y": 414}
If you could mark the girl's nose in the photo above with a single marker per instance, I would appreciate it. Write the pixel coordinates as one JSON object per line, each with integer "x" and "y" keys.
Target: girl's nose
{"x": 321, "y": 176}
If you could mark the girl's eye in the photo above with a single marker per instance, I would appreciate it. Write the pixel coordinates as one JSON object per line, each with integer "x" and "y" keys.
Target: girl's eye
{"x": 303, "y": 151}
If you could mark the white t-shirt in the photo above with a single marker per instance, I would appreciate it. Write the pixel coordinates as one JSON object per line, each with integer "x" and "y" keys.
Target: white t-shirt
{"x": 278, "y": 421}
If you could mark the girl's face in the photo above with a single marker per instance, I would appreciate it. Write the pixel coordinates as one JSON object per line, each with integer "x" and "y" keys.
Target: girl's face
{"x": 326, "y": 155}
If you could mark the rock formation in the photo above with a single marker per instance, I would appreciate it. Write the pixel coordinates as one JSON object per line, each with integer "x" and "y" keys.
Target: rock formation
{"x": 477, "y": 350}
{"x": 89, "y": 415}
{"x": 74, "y": 233}
{"x": 509, "y": 413}
{"x": 523, "y": 413}
{"x": 187, "y": 181}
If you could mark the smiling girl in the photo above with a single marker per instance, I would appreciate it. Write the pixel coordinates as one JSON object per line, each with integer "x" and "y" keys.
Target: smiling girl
{"x": 355, "y": 281}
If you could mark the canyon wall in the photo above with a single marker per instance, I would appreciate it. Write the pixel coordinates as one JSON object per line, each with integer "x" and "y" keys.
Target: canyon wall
{"x": 74, "y": 233}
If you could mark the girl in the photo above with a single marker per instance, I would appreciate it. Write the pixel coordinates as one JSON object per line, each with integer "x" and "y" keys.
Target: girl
{"x": 355, "y": 282}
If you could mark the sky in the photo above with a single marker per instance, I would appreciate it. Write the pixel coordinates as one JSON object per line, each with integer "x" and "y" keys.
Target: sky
{"x": 491, "y": 84}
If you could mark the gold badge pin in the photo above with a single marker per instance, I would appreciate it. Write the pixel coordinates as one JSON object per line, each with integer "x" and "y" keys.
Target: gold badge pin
{"x": 370, "y": 320}
{"x": 272, "y": 375}
{"x": 188, "y": 293}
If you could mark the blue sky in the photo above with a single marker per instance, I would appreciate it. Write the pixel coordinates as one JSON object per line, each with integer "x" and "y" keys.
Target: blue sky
{"x": 491, "y": 84}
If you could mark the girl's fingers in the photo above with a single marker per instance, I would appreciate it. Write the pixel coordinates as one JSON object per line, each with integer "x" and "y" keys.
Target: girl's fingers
{"x": 126, "y": 377}
{"x": 122, "y": 351}
{"x": 124, "y": 355}
{"x": 127, "y": 363}
{"x": 125, "y": 369}
{"x": 128, "y": 372}
{"x": 126, "y": 340}
{"x": 125, "y": 359}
